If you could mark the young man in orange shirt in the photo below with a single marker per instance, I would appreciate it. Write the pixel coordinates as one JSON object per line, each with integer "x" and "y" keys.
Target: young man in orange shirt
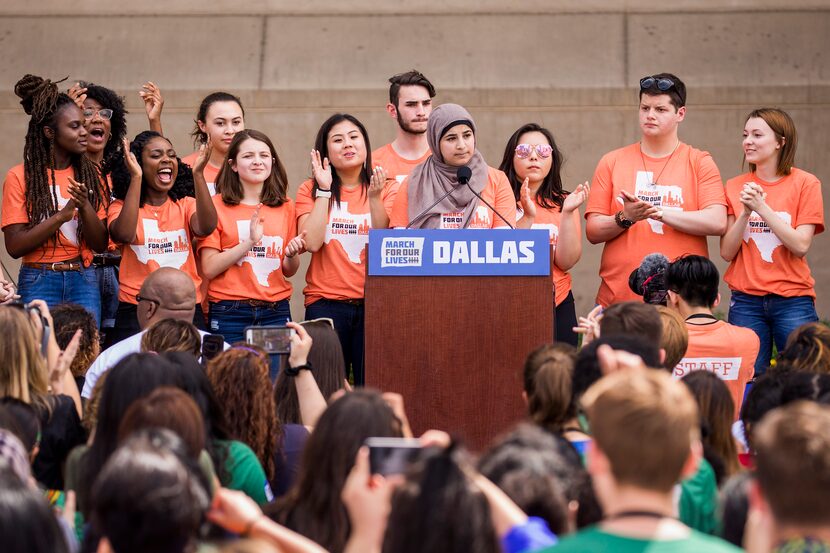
{"x": 410, "y": 103}
{"x": 727, "y": 350}
{"x": 657, "y": 195}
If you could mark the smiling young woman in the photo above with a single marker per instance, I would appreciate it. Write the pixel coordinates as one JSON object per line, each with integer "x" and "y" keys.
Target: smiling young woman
{"x": 774, "y": 211}
{"x": 335, "y": 210}
{"x": 255, "y": 245}
{"x": 533, "y": 164}
{"x": 159, "y": 207}
{"x": 54, "y": 203}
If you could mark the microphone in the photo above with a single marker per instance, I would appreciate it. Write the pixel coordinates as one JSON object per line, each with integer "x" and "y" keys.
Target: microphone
{"x": 465, "y": 173}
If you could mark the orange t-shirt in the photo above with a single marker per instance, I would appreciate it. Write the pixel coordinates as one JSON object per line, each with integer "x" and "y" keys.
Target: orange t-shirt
{"x": 764, "y": 265}
{"x": 497, "y": 192}
{"x": 14, "y": 212}
{"x": 549, "y": 219}
{"x": 338, "y": 269}
{"x": 211, "y": 172}
{"x": 258, "y": 275}
{"x": 688, "y": 180}
{"x": 396, "y": 167}
{"x": 163, "y": 238}
{"x": 727, "y": 350}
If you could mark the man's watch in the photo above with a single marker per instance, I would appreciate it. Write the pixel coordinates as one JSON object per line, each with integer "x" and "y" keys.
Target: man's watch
{"x": 294, "y": 371}
{"x": 320, "y": 193}
{"x": 621, "y": 221}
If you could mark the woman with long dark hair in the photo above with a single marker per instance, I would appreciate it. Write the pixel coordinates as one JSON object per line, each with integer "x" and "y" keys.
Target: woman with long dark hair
{"x": 533, "y": 165}
{"x": 335, "y": 209}
{"x": 54, "y": 203}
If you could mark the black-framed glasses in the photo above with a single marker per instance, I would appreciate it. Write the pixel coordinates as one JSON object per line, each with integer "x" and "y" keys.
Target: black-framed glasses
{"x": 663, "y": 83}
{"x": 105, "y": 113}
{"x": 139, "y": 298}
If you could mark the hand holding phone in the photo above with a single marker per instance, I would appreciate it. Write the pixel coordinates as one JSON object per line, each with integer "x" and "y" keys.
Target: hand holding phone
{"x": 273, "y": 339}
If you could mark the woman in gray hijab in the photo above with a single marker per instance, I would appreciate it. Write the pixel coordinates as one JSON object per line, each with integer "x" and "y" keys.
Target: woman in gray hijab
{"x": 433, "y": 197}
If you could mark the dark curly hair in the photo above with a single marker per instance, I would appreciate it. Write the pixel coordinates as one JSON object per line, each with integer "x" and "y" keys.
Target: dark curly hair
{"x": 42, "y": 100}
{"x": 121, "y": 175}
{"x": 113, "y": 150}
{"x": 240, "y": 381}
{"x": 68, "y": 318}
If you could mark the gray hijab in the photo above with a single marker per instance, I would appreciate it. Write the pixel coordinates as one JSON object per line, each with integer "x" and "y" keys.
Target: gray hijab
{"x": 433, "y": 178}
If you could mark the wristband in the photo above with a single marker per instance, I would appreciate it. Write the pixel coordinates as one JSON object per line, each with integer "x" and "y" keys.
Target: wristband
{"x": 622, "y": 222}
{"x": 294, "y": 371}
{"x": 320, "y": 193}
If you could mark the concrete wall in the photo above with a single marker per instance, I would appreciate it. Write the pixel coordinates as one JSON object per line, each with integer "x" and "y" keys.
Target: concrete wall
{"x": 570, "y": 65}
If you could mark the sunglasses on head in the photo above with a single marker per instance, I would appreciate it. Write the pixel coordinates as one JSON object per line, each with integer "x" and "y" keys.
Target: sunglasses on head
{"x": 105, "y": 113}
{"x": 662, "y": 83}
{"x": 523, "y": 151}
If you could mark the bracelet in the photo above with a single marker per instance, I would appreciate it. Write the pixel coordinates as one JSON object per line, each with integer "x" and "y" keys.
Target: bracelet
{"x": 294, "y": 371}
{"x": 622, "y": 222}
{"x": 251, "y": 523}
{"x": 321, "y": 193}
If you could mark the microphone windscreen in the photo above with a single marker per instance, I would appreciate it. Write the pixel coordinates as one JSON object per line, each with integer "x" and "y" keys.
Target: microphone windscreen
{"x": 464, "y": 174}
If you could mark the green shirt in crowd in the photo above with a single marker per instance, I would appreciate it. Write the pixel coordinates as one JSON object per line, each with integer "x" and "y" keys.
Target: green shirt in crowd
{"x": 593, "y": 539}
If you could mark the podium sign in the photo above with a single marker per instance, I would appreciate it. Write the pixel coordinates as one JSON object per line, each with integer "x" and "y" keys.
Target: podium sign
{"x": 402, "y": 252}
{"x": 450, "y": 318}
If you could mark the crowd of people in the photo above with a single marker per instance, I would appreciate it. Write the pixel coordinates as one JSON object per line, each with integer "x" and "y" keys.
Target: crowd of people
{"x": 652, "y": 424}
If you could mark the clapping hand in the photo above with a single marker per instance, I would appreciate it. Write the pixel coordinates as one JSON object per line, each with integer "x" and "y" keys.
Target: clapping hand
{"x": 321, "y": 171}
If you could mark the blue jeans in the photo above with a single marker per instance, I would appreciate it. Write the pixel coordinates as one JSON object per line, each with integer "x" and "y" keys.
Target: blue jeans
{"x": 56, "y": 287}
{"x": 230, "y": 317}
{"x": 348, "y": 322}
{"x": 771, "y": 317}
{"x": 108, "y": 287}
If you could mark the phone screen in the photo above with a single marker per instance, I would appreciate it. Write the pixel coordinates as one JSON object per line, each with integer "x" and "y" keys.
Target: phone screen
{"x": 212, "y": 345}
{"x": 273, "y": 339}
{"x": 392, "y": 455}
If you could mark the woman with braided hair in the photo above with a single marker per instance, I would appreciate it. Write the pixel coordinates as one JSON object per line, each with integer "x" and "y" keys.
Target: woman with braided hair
{"x": 160, "y": 206}
{"x": 54, "y": 203}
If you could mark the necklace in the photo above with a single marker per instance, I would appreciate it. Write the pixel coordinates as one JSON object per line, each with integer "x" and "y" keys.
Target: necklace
{"x": 643, "y": 157}
{"x": 706, "y": 316}
{"x": 636, "y": 514}
{"x": 154, "y": 209}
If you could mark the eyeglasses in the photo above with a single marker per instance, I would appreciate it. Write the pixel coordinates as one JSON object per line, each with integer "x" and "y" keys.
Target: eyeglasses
{"x": 105, "y": 113}
{"x": 524, "y": 151}
{"x": 139, "y": 298}
{"x": 662, "y": 83}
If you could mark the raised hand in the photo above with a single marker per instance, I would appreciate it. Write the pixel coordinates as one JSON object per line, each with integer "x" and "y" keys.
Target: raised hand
{"x": 234, "y": 511}
{"x": 527, "y": 201}
{"x": 321, "y": 171}
{"x": 78, "y": 94}
{"x": 300, "y": 345}
{"x": 588, "y": 326}
{"x": 576, "y": 198}
{"x": 296, "y": 245}
{"x": 636, "y": 209}
{"x": 376, "y": 182}
{"x": 153, "y": 101}
{"x": 205, "y": 150}
{"x": 133, "y": 166}
{"x": 64, "y": 361}
{"x": 257, "y": 226}
{"x": 79, "y": 192}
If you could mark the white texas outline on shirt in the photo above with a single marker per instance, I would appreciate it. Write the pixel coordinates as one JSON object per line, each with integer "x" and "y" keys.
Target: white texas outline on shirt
{"x": 345, "y": 227}
{"x": 766, "y": 240}
{"x": 168, "y": 248}
{"x": 70, "y": 228}
{"x": 264, "y": 256}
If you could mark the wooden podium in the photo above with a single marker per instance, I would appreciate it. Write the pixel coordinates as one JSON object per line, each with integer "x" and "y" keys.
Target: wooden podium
{"x": 455, "y": 346}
